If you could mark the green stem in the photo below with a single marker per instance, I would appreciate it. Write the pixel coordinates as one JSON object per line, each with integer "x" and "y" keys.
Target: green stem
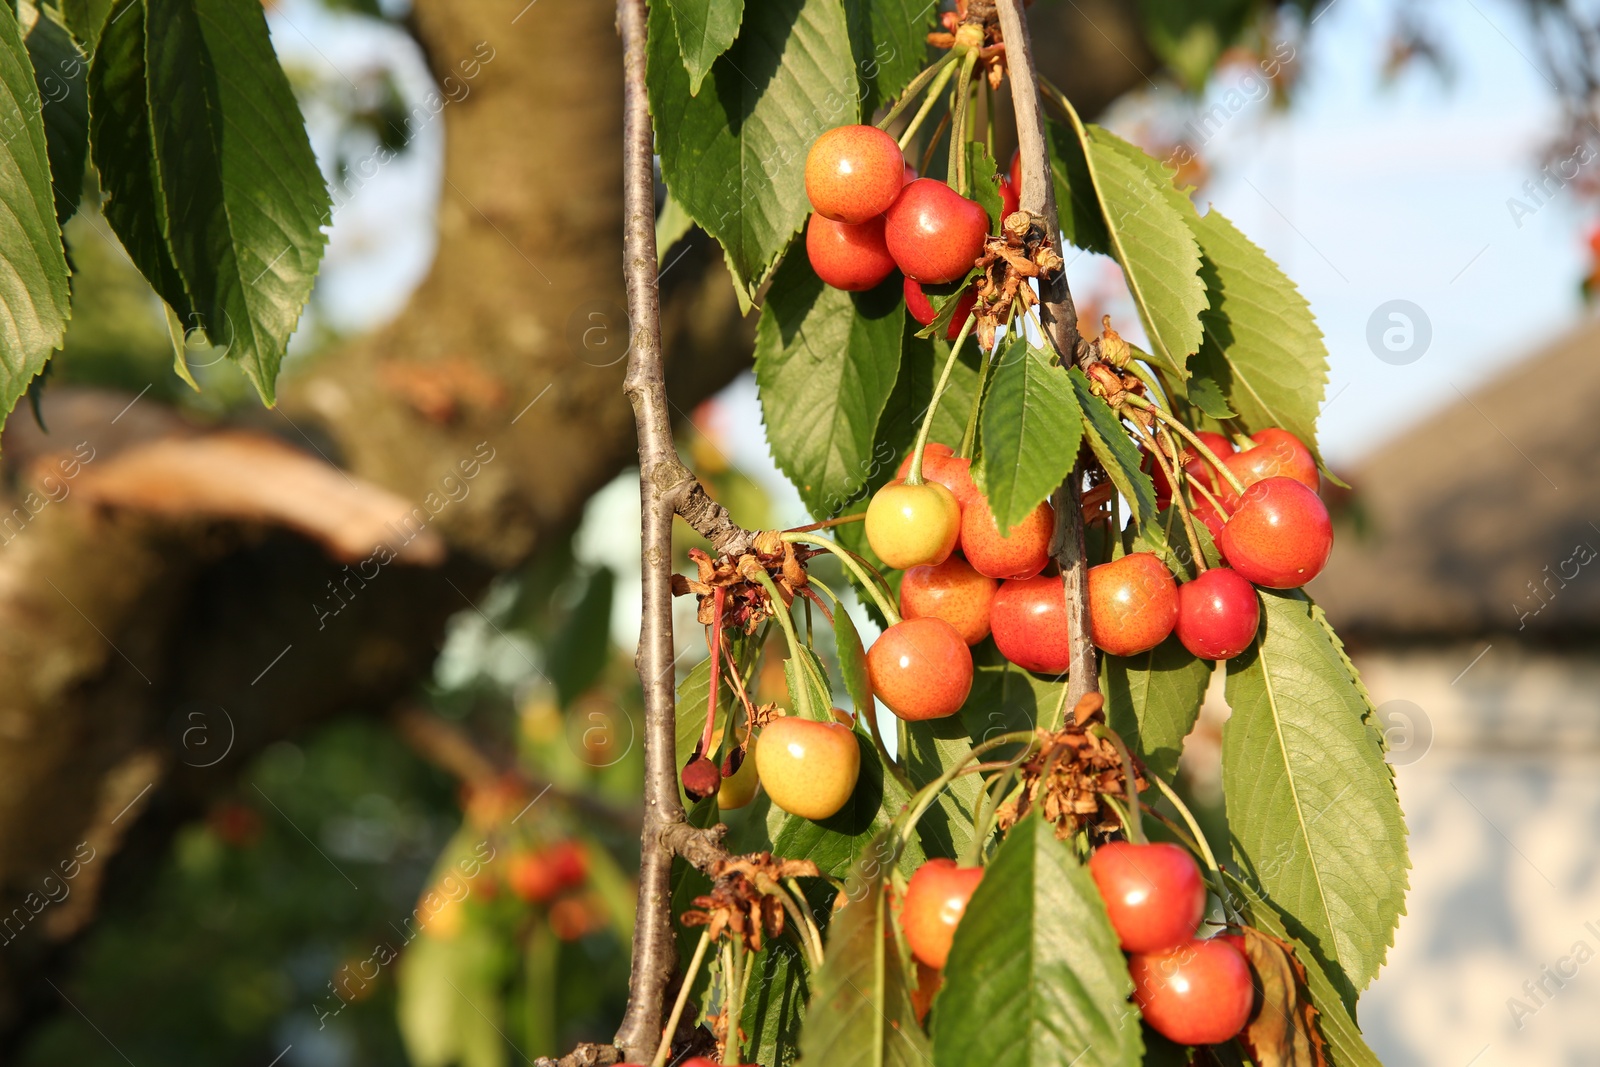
{"x": 981, "y": 818}
{"x": 970, "y": 437}
{"x": 1188, "y": 817}
{"x": 683, "y": 998}
{"x": 812, "y": 934}
{"x": 1130, "y": 784}
{"x": 730, "y": 994}
{"x": 960, "y": 123}
{"x": 1210, "y": 498}
{"x": 884, "y": 606}
{"x": 925, "y": 797}
{"x": 914, "y": 475}
{"x": 1173, "y": 479}
{"x": 1188, "y": 436}
{"x": 801, "y": 699}
{"x": 946, "y": 68}
{"x": 919, "y": 83}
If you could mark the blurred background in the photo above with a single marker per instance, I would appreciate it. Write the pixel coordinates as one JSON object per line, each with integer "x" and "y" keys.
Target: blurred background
{"x": 407, "y": 839}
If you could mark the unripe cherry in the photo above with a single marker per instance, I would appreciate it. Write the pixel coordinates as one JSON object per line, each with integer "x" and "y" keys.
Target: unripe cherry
{"x": 849, "y": 256}
{"x": 913, "y": 525}
{"x": 1279, "y": 536}
{"x": 808, "y": 768}
{"x": 1029, "y": 620}
{"x": 853, "y": 173}
{"x": 1133, "y": 604}
{"x": 1218, "y": 614}
{"x": 921, "y": 669}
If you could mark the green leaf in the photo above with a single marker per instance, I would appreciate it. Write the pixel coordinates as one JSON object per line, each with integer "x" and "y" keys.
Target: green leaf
{"x": 85, "y": 19}
{"x": 1004, "y": 698}
{"x": 861, "y": 1013}
{"x": 706, "y": 29}
{"x": 671, "y": 226}
{"x": 809, "y": 688}
{"x": 245, "y": 202}
{"x": 123, "y": 149}
{"x": 826, "y": 363}
{"x": 890, "y": 41}
{"x": 1078, "y": 210}
{"x": 1035, "y": 977}
{"x": 1153, "y": 700}
{"x": 448, "y": 1000}
{"x": 1310, "y": 802}
{"x": 1262, "y": 347}
{"x": 61, "y": 75}
{"x": 775, "y": 1005}
{"x": 1151, "y": 239}
{"x": 34, "y": 299}
{"x": 985, "y": 182}
{"x": 852, "y": 662}
{"x": 1345, "y": 1046}
{"x": 1032, "y": 427}
{"x": 1115, "y": 451}
{"x": 734, "y": 156}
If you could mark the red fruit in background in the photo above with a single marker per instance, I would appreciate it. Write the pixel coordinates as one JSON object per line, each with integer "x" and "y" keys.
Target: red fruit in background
{"x": 951, "y": 591}
{"x": 1277, "y": 454}
{"x": 532, "y": 879}
{"x": 1010, "y": 198}
{"x": 936, "y": 898}
{"x": 1021, "y": 553}
{"x": 929, "y": 980}
{"x": 1279, "y": 536}
{"x": 1133, "y": 604}
{"x": 1154, "y": 894}
{"x": 921, "y": 669}
{"x": 941, "y": 464}
{"x": 849, "y": 256}
{"x": 568, "y": 862}
{"x": 1199, "y": 993}
{"x": 1218, "y": 614}
{"x": 853, "y": 173}
{"x": 935, "y": 233}
{"x": 1029, "y": 619}
{"x": 913, "y": 525}
{"x": 1014, "y": 172}
{"x": 917, "y": 303}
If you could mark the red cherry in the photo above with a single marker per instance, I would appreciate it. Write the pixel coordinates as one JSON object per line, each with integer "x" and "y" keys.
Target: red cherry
{"x": 951, "y": 591}
{"x": 913, "y": 525}
{"x": 936, "y": 898}
{"x": 941, "y": 464}
{"x": 908, "y": 175}
{"x": 1154, "y": 894}
{"x": 848, "y": 256}
{"x": 1279, "y": 535}
{"x": 1199, "y": 993}
{"x": 1015, "y": 170}
{"x": 935, "y": 233}
{"x": 1277, "y": 453}
{"x": 921, "y": 669}
{"x": 922, "y": 310}
{"x": 1021, "y": 553}
{"x": 1195, "y": 465}
{"x": 1010, "y": 198}
{"x": 853, "y": 173}
{"x": 1029, "y": 618}
{"x": 532, "y": 878}
{"x": 568, "y": 862}
{"x": 1133, "y": 604}
{"x": 1218, "y": 614}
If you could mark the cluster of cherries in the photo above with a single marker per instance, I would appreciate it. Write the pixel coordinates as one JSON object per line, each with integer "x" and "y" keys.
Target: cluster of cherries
{"x": 874, "y": 216}
{"x": 1195, "y": 991}
{"x": 965, "y": 580}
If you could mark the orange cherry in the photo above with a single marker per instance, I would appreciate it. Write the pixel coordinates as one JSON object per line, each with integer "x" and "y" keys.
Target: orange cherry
{"x": 1133, "y": 604}
{"x": 951, "y": 591}
{"x": 936, "y": 898}
{"x": 854, "y": 173}
{"x": 1029, "y": 616}
{"x": 808, "y": 768}
{"x": 941, "y": 464}
{"x": 921, "y": 669}
{"x": 1277, "y": 454}
{"x": 1022, "y": 552}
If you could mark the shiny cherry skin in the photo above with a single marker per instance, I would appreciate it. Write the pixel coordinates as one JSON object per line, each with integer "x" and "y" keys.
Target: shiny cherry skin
{"x": 1021, "y": 552}
{"x": 913, "y": 525}
{"x": 951, "y": 591}
{"x": 1277, "y": 454}
{"x": 1199, "y": 993}
{"x": 1133, "y": 604}
{"x": 1029, "y": 619}
{"x": 934, "y": 233}
{"x": 936, "y": 898}
{"x": 854, "y": 173}
{"x": 849, "y": 256}
{"x": 1279, "y": 536}
{"x": 1010, "y": 198}
{"x": 808, "y": 768}
{"x": 921, "y": 669}
{"x": 1218, "y": 614}
{"x": 941, "y": 464}
{"x": 921, "y": 309}
{"x": 1154, "y": 894}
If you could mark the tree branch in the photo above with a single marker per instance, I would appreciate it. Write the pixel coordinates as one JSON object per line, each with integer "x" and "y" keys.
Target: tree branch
{"x": 1060, "y": 319}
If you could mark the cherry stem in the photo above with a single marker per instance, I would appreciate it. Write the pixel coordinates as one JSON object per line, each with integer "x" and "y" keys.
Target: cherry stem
{"x": 984, "y": 814}
{"x": 1200, "y": 842}
{"x": 919, "y": 83}
{"x": 714, "y": 646}
{"x": 665, "y": 1046}
{"x": 919, "y": 805}
{"x": 1170, "y": 470}
{"x": 1184, "y": 432}
{"x": 1130, "y": 784}
{"x": 802, "y": 699}
{"x": 1210, "y": 498}
{"x": 945, "y": 68}
{"x": 825, "y": 524}
{"x": 731, "y": 1003}
{"x": 736, "y": 679}
{"x": 889, "y": 613}
{"x": 961, "y": 122}
{"x": 811, "y": 930}
{"x": 914, "y": 475}
{"x": 933, "y": 143}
